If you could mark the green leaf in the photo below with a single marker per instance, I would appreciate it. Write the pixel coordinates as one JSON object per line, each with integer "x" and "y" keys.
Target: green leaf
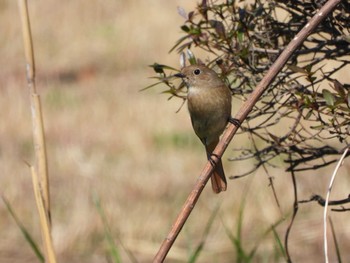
{"x": 338, "y": 87}
{"x": 182, "y": 39}
{"x": 312, "y": 79}
{"x": 308, "y": 115}
{"x": 318, "y": 127}
{"x": 152, "y": 85}
{"x": 159, "y": 68}
{"x": 240, "y": 37}
{"x": 185, "y": 28}
{"x": 219, "y": 28}
{"x": 328, "y": 97}
{"x": 297, "y": 69}
{"x": 308, "y": 69}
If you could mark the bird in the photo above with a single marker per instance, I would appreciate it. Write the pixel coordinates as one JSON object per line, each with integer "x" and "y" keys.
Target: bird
{"x": 209, "y": 102}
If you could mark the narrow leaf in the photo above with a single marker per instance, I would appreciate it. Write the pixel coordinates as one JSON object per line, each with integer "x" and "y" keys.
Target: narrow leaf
{"x": 191, "y": 58}
{"x": 113, "y": 250}
{"x": 24, "y": 231}
{"x": 328, "y": 97}
{"x": 297, "y": 69}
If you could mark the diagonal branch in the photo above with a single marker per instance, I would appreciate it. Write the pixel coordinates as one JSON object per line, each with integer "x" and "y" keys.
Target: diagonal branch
{"x": 232, "y": 129}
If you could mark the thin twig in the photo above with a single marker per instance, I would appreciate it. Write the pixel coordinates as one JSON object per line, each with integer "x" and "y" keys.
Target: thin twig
{"x": 295, "y": 211}
{"x": 322, "y": 202}
{"x": 335, "y": 241}
{"x": 232, "y": 129}
{"x": 340, "y": 162}
{"x": 270, "y": 178}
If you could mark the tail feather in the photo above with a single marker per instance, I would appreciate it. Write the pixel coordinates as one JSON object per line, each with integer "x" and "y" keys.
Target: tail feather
{"x": 218, "y": 178}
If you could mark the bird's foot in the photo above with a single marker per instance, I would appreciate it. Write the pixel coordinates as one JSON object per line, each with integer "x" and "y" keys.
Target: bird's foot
{"x": 235, "y": 122}
{"x": 211, "y": 160}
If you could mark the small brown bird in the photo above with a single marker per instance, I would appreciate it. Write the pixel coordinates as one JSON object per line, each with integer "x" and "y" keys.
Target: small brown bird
{"x": 209, "y": 104}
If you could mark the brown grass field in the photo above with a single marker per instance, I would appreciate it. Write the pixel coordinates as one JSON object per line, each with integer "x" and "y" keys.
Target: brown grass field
{"x": 105, "y": 138}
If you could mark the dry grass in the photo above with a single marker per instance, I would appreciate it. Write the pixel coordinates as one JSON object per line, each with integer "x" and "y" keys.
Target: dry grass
{"x": 105, "y": 137}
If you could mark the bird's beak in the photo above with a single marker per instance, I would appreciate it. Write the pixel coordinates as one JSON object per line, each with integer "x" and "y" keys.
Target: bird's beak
{"x": 180, "y": 75}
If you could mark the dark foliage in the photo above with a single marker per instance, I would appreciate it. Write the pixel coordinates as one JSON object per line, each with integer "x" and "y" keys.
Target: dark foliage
{"x": 305, "y": 113}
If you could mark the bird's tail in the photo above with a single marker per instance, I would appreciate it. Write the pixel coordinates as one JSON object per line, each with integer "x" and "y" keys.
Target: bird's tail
{"x": 218, "y": 178}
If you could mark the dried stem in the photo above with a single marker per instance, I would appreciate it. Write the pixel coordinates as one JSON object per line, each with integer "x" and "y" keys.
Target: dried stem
{"x": 39, "y": 171}
{"x": 340, "y": 162}
{"x": 44, "y": 219}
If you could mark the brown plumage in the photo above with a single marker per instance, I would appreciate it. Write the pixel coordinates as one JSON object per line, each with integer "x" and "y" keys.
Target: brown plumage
{"x": 209, "y": 104}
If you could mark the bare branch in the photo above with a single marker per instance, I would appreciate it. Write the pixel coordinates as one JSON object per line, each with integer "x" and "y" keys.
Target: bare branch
{"x": 232, "y": 129}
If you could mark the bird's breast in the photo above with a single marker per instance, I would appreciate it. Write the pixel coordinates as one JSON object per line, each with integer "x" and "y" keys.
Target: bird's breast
{"x": 209, "y": 109}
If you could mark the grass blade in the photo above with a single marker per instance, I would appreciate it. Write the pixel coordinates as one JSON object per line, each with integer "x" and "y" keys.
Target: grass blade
{"x": 113, "y": 250}
{"x": 24, "y": 231}
{"x": 241, "y": 255}
{"x": 335, "y": 241}
{"x": 194, "y": 256}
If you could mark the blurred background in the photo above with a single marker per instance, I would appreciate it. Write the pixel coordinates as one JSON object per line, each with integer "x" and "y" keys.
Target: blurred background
{"x": 130, "y": 149}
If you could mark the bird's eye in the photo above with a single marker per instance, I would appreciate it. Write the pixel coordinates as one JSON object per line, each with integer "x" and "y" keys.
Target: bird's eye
{"x": 197, "y": 71}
